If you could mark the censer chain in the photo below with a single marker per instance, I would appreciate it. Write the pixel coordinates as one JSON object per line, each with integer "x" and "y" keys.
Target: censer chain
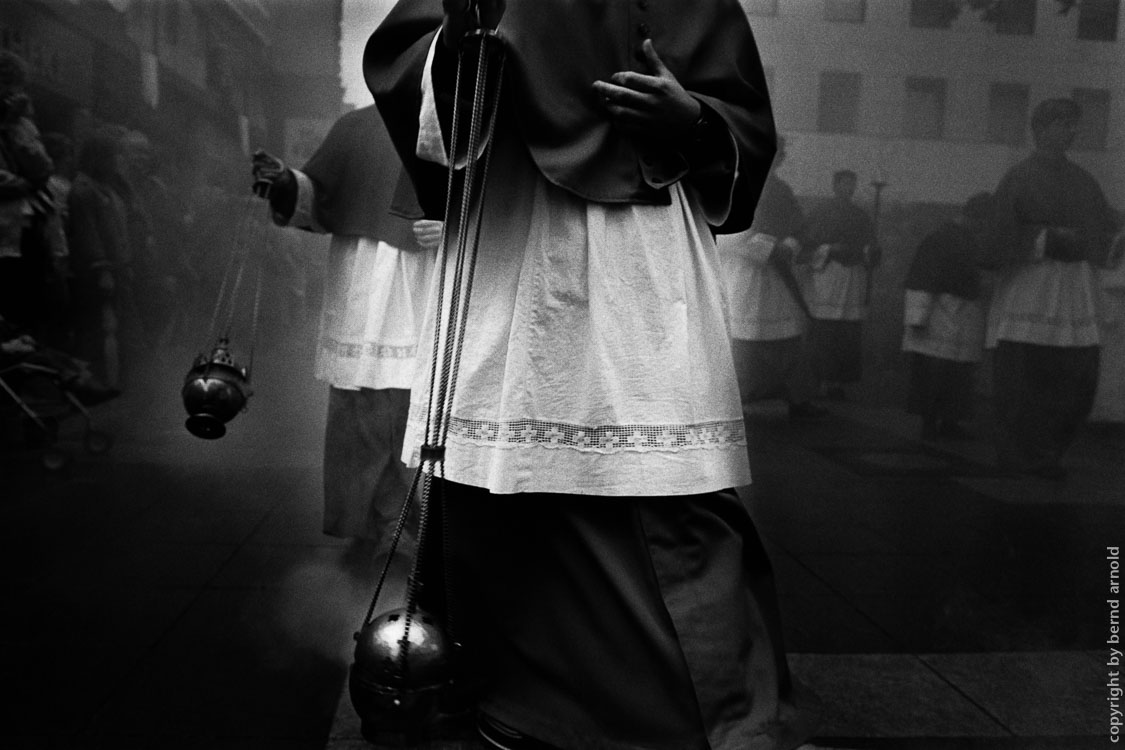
{"x": 446, "y": 358}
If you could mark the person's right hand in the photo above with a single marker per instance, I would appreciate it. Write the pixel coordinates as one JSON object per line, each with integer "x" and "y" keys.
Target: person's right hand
{"x": 464, "y": 15}
{"x": 268, "y": 171}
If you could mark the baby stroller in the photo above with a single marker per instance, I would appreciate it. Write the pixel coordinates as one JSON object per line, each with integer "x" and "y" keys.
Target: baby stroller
{"x": 43, "y": 387}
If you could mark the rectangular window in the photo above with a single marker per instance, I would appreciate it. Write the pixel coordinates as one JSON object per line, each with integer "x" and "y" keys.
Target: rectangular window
{"x": 851, "y": 11}
{"x": 1094, "y": 126}
{"x": 1013, "y": 16}
{"x": 933, "y": 14}
{"x": 923, "y": 115}
{"x": 1007, "y": 113}
{"x": 1097, "y": 20}
{"x": 760, "y": 7}
{"x": 838, "y": 103}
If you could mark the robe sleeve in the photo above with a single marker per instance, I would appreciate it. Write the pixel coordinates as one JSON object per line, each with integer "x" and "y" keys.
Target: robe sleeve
{"x": 394, "y": 62}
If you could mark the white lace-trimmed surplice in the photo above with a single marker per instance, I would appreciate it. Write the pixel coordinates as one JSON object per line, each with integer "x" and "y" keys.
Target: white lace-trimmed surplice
{"x": 1045, "y": 302}
{"x": 762, "y": 307}
{"x": 596, "y": 358}
{"x": 374, "y": 300}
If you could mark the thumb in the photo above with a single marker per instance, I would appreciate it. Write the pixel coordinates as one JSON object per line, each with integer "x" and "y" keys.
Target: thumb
{"x": 656, "y": 66}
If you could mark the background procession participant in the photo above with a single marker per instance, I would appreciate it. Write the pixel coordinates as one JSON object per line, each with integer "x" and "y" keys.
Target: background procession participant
{"x": 768, "y": 312}
{"x": 379, "y": 265}
{"x": 840, "y": 251}
{"x": 613, "y": 588}
{"x": 1049, "y": 228}
{"x": 944, "y": 322}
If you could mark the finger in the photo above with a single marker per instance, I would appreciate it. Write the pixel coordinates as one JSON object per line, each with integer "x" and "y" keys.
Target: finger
{"x": 655, "y": 64}
{"x": 638, "y": 81}
{"x": 612, "y": 94}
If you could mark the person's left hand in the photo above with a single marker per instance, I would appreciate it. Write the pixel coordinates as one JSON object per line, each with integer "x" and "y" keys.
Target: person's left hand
{"x": 653, "y": 105}
{"x": 427, "y": 232}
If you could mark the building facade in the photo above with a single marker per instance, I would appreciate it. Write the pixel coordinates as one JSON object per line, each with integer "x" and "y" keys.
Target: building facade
{"x": 933, "y": 97}
{"x": 207, "y": 82}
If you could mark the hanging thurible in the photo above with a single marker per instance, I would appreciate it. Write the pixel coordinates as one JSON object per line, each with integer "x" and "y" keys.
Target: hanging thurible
{"x": 216, "y": 388}
{"x": 407, "y": 661}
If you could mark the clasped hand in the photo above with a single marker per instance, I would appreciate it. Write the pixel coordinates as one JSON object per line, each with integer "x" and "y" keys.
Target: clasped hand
{"x": 653, "y": 105}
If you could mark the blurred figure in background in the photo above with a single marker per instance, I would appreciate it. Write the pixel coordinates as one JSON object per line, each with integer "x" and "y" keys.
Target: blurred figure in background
{"x": 1049, "y": 227}
{"x": 101, "y": 255}
{"x": 25, "y": 203}
{"x": 379, "y": 267}
{"x": 768, "y": 313}
{"x": 1109, "y": 401}
{"x": 158, "y": 234}
{"x": 943, "y": 332}
{"x": 840, "y": 251}
{"x": 58, "y": 324}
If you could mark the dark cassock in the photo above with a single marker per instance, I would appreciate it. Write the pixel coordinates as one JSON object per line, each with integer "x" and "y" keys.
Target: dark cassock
{"x": 610, "y": 587}
{"x": 1049, "y": 230}
{"x": 376, "y": 282}
{"x": 837, "y": 245}
{"x": 943, "y": 331}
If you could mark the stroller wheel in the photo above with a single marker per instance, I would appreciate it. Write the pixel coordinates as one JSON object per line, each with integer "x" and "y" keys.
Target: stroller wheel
{"x": 97, "y": 443}
{"x": 55, "y": 459}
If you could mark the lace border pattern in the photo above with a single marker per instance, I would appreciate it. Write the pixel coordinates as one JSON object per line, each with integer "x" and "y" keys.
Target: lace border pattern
{"x": 368, "y": 349}
{"x": 602, "y": 438}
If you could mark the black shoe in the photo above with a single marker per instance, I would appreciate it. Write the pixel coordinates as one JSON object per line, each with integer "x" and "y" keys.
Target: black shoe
{"x": 806, "y": 410}
{"x": 502, "y": 737}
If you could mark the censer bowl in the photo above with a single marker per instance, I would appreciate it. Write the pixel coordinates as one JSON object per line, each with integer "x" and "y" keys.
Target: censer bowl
{"x": 214, "y": 392}
{"x": 395, "y": 685}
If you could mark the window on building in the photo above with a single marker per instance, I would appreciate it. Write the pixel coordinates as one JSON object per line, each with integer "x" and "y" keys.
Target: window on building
{"x": 1007, "y": 113}
{"x": 1094, "y": 126}
{"x": 760, "y": 7}
{"x": 838, "y": 103}
{"x": 933, "y": 14}
{"x": 923, "y": 113}
{"x": 1012, "y": 16}
{"x": 852, "y": 11}
{"x": 1097, "y": 20}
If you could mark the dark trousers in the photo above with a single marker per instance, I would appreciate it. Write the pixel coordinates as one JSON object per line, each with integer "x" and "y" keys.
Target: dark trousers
{"x": 1042, "y": 395}
{"x": 837, "y": 350}
{"x": 940, "y": 389}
